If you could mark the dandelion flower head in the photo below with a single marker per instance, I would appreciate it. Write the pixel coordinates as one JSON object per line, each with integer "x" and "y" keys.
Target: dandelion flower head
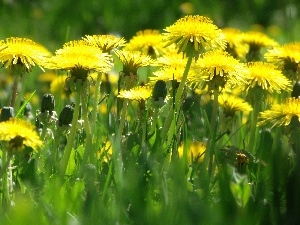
{"x": 217, "y": 68}
{"x": 257, "y": 40}
{"x": 197, "y": 31}
{"x": 137, "y": 93}
{"x": 19, "y": 133}
{"x": 22, "y": 51}
{"x": 149, "y": 42}
{"x": 80, "y": 55}
{"x": 286, "y": 56}
{"x": 268, "y": 77}
{"x": 232, "y": 104}
{"x": 105, "y": 43}
{"x": 132, "y": 60}
{"x": 281, "y": 114}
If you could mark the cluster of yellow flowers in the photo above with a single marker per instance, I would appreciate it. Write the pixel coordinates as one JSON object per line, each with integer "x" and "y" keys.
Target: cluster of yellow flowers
{"x": 193, "y": 51}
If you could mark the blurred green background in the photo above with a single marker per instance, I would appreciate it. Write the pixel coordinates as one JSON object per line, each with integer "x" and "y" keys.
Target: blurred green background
{"x": 54, "y": 22}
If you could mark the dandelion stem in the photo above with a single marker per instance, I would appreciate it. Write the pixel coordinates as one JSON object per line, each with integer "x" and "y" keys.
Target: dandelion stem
{"x": 123, "y": 115}
{"x": 213, "y": 132}
{"x": 6, "y": 158}
{"x": 14, "y": 90}
{"x": 178, "y": 95}
{"x": 253, "y": 125}
{"x": 96, "y": 100}
{"x": 68, "y": 149}
{"x": 89, "y": 145}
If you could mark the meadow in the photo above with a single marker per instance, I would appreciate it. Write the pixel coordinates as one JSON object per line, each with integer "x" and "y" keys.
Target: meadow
{"x": 188, "y": 119}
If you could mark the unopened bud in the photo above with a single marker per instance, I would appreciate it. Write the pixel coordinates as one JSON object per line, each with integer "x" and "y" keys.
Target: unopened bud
{"x": 7, "y": 112}
{"x": 48, "y": 103}
{"x": 66, "y": 116}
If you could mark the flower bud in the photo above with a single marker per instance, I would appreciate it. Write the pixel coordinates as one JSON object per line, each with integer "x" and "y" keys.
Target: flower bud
{"x": 159, "y": 90}
{"x": 66, "y": 116}
{"x": 48, "y": 103}
{"x": 7, "y": 112}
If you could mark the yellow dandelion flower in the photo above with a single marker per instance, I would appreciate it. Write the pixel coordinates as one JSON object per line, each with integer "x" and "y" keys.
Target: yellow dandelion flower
{"x": 137, "y": 93}
{"x": 172, "y": 59}
{"x": 187, "y": 8}
{"x": 80, "y": 55}
{"x": 234, "y": 46}
{"x": 289, "y": 51}
{"x": 48, "y": 76}
{"x": 148, "y": 42}
{"x": 256, "y": 41}
{"x": 268, "y": 77}
{"x": 286, "y": 56}
{"x": 17, "y": 134}
{"x": 58, "y": 86}
{"x": 23, "y": 52}
{"x": 173, "y": 66}
{"x": 195, "y": 151}
{"x": 194, "y": 32}
{"x": 217, "y": 68}
{"x": 169, "y": 73}
{"x": 106, "y": 43}
{"x": 232, "y": 104}
{"x": 281, "y": 114}
{"x": 132, "y": 60}
{"x": 105, "y": 152}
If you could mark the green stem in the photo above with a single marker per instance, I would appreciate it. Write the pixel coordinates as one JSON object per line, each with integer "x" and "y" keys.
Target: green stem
{"x": 68, "y": 149}
{"x": 89, "y": 145}
{"x": 3, "y": 174}
{"x": 123, "y": 116}
{"x": 178, "y": 95}
{"x": 14, "y": 91}
{"x": 213, "y": 132}
{"x": 253, "y": 126}
{"x": 96, "y": 100}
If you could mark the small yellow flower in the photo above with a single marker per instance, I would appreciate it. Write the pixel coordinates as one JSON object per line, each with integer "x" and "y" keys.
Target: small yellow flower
{"x": 58, "y": 86}
{"x": 149, "y": 42}
{"x": 106, "y": 43}
{"x": 232, "y": 104}
{"x": 105, "y": 152}
{"x": 286, "y": 56}
{"x": 132, "y": 60}
{"x": 195, "y": 151}
{"x": 256, "y": 41}
{"x": 281, "y": 114}
{"x": 268, "y": 77}
{"x": 137, "y": 93}
{"x": 23, "y": 52}
{"x": 17, "y": 134}
{"x": 48, "y": 76}
{"x": 80, "y": 55}
{"x": 194, "y": 34}
{"x": 217, "y": 68}
{"x": 234, "y": 46}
